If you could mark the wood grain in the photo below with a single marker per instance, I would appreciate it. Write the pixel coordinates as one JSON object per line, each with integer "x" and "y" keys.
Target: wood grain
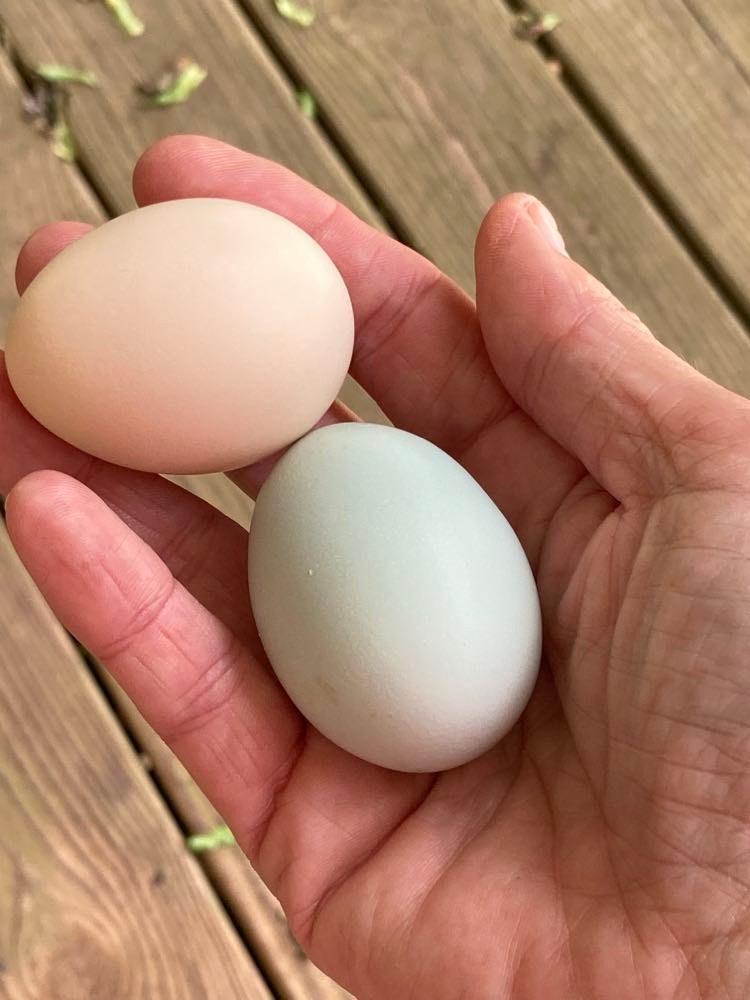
{"x": 255, "y": 911}
{"x": 443, "y": 110}
{"x": 727, "y": 22}
{"x": 666, "y": 74}
{"x": 245, "y": 99}
{"x": 99, "y": 898}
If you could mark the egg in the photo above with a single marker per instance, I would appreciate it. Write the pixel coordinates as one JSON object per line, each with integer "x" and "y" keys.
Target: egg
{"x": 393, "y": 599}
{"x": 189, "y": 336}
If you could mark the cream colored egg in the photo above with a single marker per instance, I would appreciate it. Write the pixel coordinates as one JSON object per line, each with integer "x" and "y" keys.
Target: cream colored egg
{"x": 392, "y": 597}
{"x": 188, "y": 336}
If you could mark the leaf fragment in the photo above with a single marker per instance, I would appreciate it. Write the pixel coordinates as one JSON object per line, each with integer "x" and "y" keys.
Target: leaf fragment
{"x": 61, "y": 140}
{"x": 298, "y": 13}
{"x": 59, "y": 73}
{"x": 219, "y": 836}
{"x": 530, "y": 27}
{"x": 174, "y": 85}
{"x": 307, "y": 104}
{"x": 123, "y": 13}
{"x": 45, "y": 105}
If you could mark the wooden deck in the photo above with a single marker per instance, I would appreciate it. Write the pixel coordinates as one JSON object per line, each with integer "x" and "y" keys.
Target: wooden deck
{"x": 632, "y": 120}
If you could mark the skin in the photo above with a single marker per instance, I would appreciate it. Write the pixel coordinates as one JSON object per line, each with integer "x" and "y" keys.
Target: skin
{"x": 603, "y": 848}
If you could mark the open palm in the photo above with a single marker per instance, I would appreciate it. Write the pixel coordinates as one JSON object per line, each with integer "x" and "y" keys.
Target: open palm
{"x": 603, "y": 848}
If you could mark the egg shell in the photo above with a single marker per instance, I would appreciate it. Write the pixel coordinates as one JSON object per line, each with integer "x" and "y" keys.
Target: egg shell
{"x": 189, "y": 336}
{"x": 393, "y": 599}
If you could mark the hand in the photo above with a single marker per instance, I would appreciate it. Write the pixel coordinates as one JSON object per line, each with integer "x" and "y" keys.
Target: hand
{"x": 603, "y": 848}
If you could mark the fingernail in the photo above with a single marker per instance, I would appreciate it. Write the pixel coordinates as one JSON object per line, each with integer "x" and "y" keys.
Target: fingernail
{"x": 543, "y": 219}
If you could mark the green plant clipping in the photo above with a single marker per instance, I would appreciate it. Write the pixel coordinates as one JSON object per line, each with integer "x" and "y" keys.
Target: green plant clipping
{"x": 296, "y": 12}
{"x": 307, "y": 104}
{"x": 57, "y": 73}
{"x": 176, "y": 85}
{"x": 548, "y": 22}
{"x": 61, "y": 141}
{"x": 45, "y": 105}
{"x": 530, "y": 27}
{"x": 123, "y": 13}
{"x": 220, "y": 836}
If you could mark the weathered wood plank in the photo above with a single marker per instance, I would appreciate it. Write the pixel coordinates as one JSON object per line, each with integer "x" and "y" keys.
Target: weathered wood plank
{"x": 254, "y": 909}
{"x": 728, "y": 22}
{"x": 36, "y": 188}
{"x": 98, "y": 895}
{"x": 443, "y": 110}
{"x": 661, "y": 74}
{"x": 244, "y": 100}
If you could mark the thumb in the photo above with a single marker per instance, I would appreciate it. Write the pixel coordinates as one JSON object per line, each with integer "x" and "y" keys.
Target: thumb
{"x": 586, "y": 370}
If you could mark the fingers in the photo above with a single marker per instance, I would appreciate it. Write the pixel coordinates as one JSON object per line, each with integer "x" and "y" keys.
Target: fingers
{"x": 218, "y": 707}
{"x": 42, "y": 246}
{"x": 585, "y": 369}
{"x": 418, "y": 350}
{"x": 205, "y": 549}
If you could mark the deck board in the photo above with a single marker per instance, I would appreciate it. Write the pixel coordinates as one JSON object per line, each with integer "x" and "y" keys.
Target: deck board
{"x": 244, "y": 100}
{"x": 728, "y": 22}
{"x": 98, "y": 895}
{"x": 254, "y": 909}
{"x": 666, "y": 74}
{"x": 442, "y": 109}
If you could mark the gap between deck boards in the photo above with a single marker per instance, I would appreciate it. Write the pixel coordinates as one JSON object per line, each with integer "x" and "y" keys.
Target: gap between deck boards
{"x": 595, "y": 112}
{"x": 628, "y": 154}
{"x": 141, "y": 751}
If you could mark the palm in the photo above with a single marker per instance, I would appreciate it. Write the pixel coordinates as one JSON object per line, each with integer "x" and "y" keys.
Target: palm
{"x": 591, "y": 852}
{"x": 578, "y": 845}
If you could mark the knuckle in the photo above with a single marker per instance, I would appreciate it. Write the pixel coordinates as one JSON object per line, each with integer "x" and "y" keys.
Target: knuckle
{"x": 552, "y": 354}
{"x": 212, "y": 688}
{"x": 143, "y": 616}
{"x": 386, "y": 319}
